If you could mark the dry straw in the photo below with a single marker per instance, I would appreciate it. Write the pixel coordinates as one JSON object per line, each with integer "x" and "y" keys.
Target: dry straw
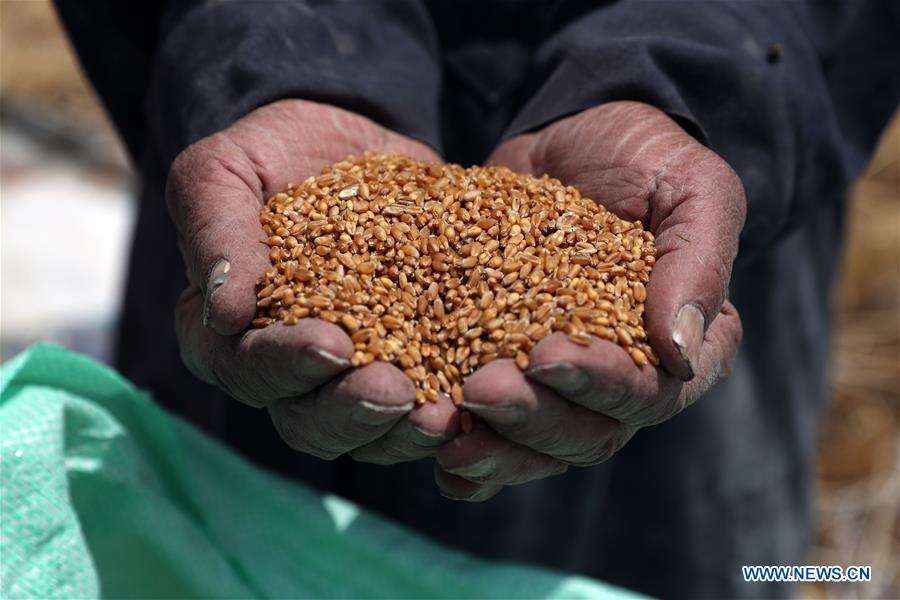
{"x": 441, "y": 270}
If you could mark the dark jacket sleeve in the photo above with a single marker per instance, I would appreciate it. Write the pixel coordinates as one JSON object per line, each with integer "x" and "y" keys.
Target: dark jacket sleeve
{"x": 115, "y": 43}
{"x": 792, "y": 94}
{"x": 199, "y": 65}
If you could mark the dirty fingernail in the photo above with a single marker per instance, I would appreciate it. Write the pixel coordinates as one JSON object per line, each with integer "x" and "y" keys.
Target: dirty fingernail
{"x": 378, "y": 415}
{"x": 562, "y": 376}
{"x": 218, "y": 275}
{"x": 480, "y": 495}
{"x": 485, "y": 493}
{"x": 316, "y": 363}
{"x": 426, "y": 437}
{"x": 505, "y": 416}
{"x": 687, "y": 335}
{"x": 449, "y": 496}
{"x": 479, "y": 470}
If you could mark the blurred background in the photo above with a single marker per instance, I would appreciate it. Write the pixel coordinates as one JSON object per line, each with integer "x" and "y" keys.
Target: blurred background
{"x": 66, "y": 214}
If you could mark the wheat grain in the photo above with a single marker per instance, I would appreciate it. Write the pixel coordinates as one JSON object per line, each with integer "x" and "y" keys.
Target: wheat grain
{"x": 441, "y": 269}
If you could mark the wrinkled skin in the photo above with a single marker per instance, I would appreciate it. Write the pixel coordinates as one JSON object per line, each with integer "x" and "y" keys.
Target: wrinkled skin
{"x": 575, "y": 406}
{"x": 578, "y": 405}
{"x": 301, "y": 374}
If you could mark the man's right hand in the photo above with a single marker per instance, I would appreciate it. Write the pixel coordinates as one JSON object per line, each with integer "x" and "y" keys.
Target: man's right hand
{"x": 301, "y": 374}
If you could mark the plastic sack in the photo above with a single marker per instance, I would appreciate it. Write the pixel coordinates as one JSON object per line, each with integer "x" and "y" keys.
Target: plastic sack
{"x": 102, "y": 493}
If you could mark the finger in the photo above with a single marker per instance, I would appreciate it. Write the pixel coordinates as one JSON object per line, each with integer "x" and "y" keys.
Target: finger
{"x": 348, "y": 413}
{"x": 482, "y": 456}
{"x": 535, "y": 416}
{"x": 214, "y": 197}
{"x": 603, "y": 378}
{"x": 419, "y": 435}
{"x": 698, "y": 211}
{"x": 455, "y": 487}
{"x": 262, "y": 365}
{"x": 718, "y": 355}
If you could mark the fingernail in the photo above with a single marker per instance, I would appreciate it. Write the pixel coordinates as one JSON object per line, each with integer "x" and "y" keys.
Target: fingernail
{"x": 452, "y": 497}
{"x": 506, "y": 416}
{"x": 687, "y": 335}
{"x": 378, "y": 415}
{"x": 562, "y": 376}
{"x": 480, "y": 494}
{"x": 316, "y": 363}
{"x": 485, "y": 493}
{"x": 480, "y": 470}
{"x": 428, "y": 437}
{"x": 218, "y": 275}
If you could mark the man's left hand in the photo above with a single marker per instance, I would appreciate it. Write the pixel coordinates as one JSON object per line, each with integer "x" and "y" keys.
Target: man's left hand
{"x": 578, "y": 405}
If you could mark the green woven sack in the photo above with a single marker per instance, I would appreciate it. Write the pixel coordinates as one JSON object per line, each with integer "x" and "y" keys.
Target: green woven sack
{"x": 102, "y": 493}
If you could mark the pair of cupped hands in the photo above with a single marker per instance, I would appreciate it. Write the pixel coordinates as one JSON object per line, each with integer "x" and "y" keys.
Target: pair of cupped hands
{"x": 574, "y": 406}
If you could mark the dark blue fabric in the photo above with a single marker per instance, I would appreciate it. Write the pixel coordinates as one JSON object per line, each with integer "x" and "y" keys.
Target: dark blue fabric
{"x": 220, "y": 60}
{"x": 792, "y": 94}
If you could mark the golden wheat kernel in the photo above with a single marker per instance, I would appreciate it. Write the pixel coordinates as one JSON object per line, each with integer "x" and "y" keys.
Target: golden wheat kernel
{"x": 432, "y": 381}
{"x": 391, "y": 322}
{"x": 465, "y": 422}
{"x": 406, "y": 361}
{"x": 462, "y": 353}
{"x": 518, "y": 338}
{"x": 651, "y": 355}
{"x": 487, "y": 357}
{"x": 438, "y": 309}
{"x": 493, "y": 324}
{"x": 330, "y": 315}
{"x": 279, "y": 292}
{"x": 581, "y": 338}
{"x": 349, "y": 322}
{"x": 363, "y": 335}
{"x": 462, "y": 324}
{"x": 624, "y": 336}
{"x": 357, "y": 359}
{"x": 366, "y": 267}
{"x": 468, "y": 262}
{"x": 522, "y": 360}
{"x": 414, "y": 352}
{"x": 639, "y": 291}
{"x": 266, "y": 291}
{"x": 473, "y": 333}
{"x": 456, "y": 394}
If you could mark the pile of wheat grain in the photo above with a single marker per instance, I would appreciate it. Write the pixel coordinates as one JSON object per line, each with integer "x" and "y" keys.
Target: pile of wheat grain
{"x": 441, "y": 269}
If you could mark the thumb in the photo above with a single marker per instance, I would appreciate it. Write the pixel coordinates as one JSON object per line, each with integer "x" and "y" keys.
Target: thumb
{"x": 697, "y": 210}
{"x": 214, "y": 198}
